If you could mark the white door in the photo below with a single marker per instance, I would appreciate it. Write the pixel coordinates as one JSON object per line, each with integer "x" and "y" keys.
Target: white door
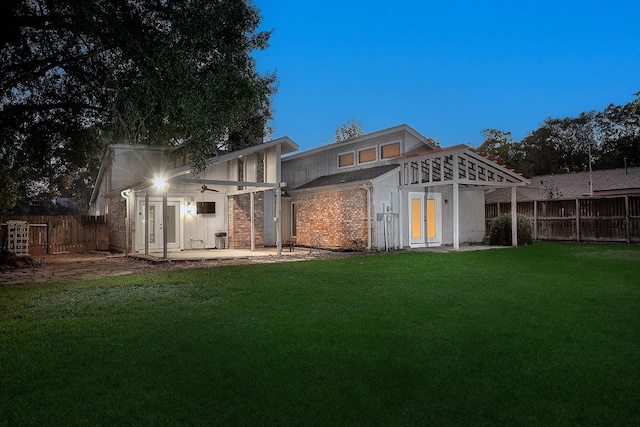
{"x": 416, "y": 220}
{"x": 433, "y": 219}
{"x": 425, "y": 224}
{"x": 156, "y": 243}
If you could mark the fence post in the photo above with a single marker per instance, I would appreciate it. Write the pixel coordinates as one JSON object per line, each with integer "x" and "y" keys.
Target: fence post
{"x": 48, "y": 238}
{"x": 535, "y": 220}
{"x": 577, "y": 220}
{"x": 627, "y": 215}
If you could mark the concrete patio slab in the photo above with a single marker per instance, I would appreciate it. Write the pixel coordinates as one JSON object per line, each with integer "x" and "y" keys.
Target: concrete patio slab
{"x": 222, "y": 254}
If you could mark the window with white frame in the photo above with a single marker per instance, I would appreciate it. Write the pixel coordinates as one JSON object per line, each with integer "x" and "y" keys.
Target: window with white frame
{"x": 390, "y": 151}
{"x": 346, "y": 159}
{"x": 367, "y": 155}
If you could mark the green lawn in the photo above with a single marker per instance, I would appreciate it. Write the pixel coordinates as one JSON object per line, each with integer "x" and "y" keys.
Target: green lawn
{"x": 541, "y": 335}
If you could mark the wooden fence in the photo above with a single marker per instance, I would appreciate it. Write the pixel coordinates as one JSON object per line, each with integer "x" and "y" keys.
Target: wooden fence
{"x": 601, "y": 219}
{"x": 61, "y": 233}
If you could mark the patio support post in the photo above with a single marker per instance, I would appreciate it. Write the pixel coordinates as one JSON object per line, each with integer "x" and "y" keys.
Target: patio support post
{"x": 165, "y": 232}
{"x": 456, "y": 203}
{"x": 279, "y": 199}
{"x": 146, "y": 222}
{"x": 514, "y": 217}
{"x": 456, "y": 217}
{"x": 253, "y": 226}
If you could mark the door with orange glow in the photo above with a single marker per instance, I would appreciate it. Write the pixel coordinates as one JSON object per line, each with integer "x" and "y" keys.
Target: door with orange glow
{"x": 425, "y": 220}
{"x": 433, "y": 219}
{"x": 416, "y": 220}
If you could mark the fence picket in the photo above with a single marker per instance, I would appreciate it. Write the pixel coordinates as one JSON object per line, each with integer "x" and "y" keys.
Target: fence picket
{"x": 610, "y": 219}
{"x": 61, "y": 233}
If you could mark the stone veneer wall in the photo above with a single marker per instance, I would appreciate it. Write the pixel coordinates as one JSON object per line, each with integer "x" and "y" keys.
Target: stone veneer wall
{"x": 240, "y": 220}
{"x": 333, "y": 219}
{"x": 116, "y": 220}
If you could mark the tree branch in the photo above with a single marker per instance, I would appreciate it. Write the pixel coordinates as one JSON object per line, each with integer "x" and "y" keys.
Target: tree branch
{"x": 12, "y": 110}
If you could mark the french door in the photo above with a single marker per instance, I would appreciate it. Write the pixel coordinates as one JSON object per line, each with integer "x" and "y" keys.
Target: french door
{"x": 425, "y": 220}
{"x": 155, "y": 228}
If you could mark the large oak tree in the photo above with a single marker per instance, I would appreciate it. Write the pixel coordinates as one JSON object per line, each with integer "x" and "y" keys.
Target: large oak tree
{"x": 76, "y": 74}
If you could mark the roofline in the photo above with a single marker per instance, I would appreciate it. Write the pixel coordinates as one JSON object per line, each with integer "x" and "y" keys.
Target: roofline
{"x": 385, "y": 175}
{"x": 331, "y": 187}
{"x": 371, "y": 181}
{"x": 101, "y": 172}
{"x": 463, "y": 148}
{"x": 284, "y": 141}
{"x": 403, "y": 127}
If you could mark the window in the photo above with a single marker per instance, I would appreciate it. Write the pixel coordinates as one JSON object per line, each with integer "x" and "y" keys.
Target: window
{"x": 346, "y": 159}
{"x": 240, "y": 172}
{"x": 367, "y": 155}
{"x": 260, "y": 168}
{"x": 390, "y": 150}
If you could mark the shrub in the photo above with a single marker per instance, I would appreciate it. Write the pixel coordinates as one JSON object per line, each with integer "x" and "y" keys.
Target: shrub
{"x": 501, "y": 231}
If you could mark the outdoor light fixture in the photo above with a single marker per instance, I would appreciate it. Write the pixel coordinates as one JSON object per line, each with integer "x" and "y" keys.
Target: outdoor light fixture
{"x": 159, "y": 182}
{"x": 189, "y": 207}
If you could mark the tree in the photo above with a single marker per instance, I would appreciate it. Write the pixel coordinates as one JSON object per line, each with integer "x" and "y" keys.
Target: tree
{"x": 8, "y": 190}
{"x": 350, "y": 129}
{"x": 75, "y": 74}
{"x": 619, "y": 137}
{"x": 500, "y": 146}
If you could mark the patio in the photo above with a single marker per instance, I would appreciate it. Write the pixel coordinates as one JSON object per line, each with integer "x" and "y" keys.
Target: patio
{"x": 195, "y": 255}
{"x": 225, "y": 254}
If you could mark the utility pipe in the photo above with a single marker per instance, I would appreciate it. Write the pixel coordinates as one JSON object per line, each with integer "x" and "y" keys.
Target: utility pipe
{"x": 366, "y": 187}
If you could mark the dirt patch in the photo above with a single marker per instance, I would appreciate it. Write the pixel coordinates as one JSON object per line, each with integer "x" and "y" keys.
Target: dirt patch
{"x": 10, "y": 261}
{"x": 95, "y": 265}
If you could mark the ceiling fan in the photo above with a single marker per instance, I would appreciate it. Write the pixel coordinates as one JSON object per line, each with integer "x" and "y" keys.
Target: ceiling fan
{"x": 205, "y": 188}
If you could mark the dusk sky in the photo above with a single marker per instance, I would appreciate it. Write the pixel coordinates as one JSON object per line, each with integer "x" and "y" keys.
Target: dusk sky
{"x": 447, "y": 69}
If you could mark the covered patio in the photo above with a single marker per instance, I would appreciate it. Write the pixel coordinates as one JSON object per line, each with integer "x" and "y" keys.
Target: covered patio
{"x": 456, "y": 169}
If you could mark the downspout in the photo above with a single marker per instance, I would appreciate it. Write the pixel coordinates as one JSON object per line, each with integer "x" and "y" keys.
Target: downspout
{"x": 366, "y": 187}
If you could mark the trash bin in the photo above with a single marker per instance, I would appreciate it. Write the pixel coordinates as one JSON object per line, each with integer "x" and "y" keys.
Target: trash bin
{"x": 220, "y": 240}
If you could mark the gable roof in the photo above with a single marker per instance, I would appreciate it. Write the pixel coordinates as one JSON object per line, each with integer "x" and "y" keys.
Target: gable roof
{"x": 358, "y": 175}
{"x": 460, "y": 164}
{"x": 575, "y": 185}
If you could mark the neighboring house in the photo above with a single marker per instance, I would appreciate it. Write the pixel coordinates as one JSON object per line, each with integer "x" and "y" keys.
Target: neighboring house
{"x": 229, "y": 203}
{"x": 608, "y": 182}
{"x": 389, "y": 189}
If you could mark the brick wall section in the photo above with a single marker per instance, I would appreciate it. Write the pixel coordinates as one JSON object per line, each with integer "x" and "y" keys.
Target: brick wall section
{"x": 332, "y": 219}
{"x": 117, "y": 226}
{"x": 240, "y": 220}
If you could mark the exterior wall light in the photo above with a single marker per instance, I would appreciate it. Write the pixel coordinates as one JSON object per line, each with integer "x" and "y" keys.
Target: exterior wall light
{"x": 159, "y": 182}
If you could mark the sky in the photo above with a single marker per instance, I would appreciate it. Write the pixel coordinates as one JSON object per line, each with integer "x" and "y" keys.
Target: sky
{"x": 447, "y": 69}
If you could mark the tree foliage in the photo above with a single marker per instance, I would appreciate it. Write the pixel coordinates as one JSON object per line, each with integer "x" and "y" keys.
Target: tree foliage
{"x": 500, "y": 146}
{"x": 76, "y": 74}
{"x": 350, "y": 129}
{"x": 607, "y": 139}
